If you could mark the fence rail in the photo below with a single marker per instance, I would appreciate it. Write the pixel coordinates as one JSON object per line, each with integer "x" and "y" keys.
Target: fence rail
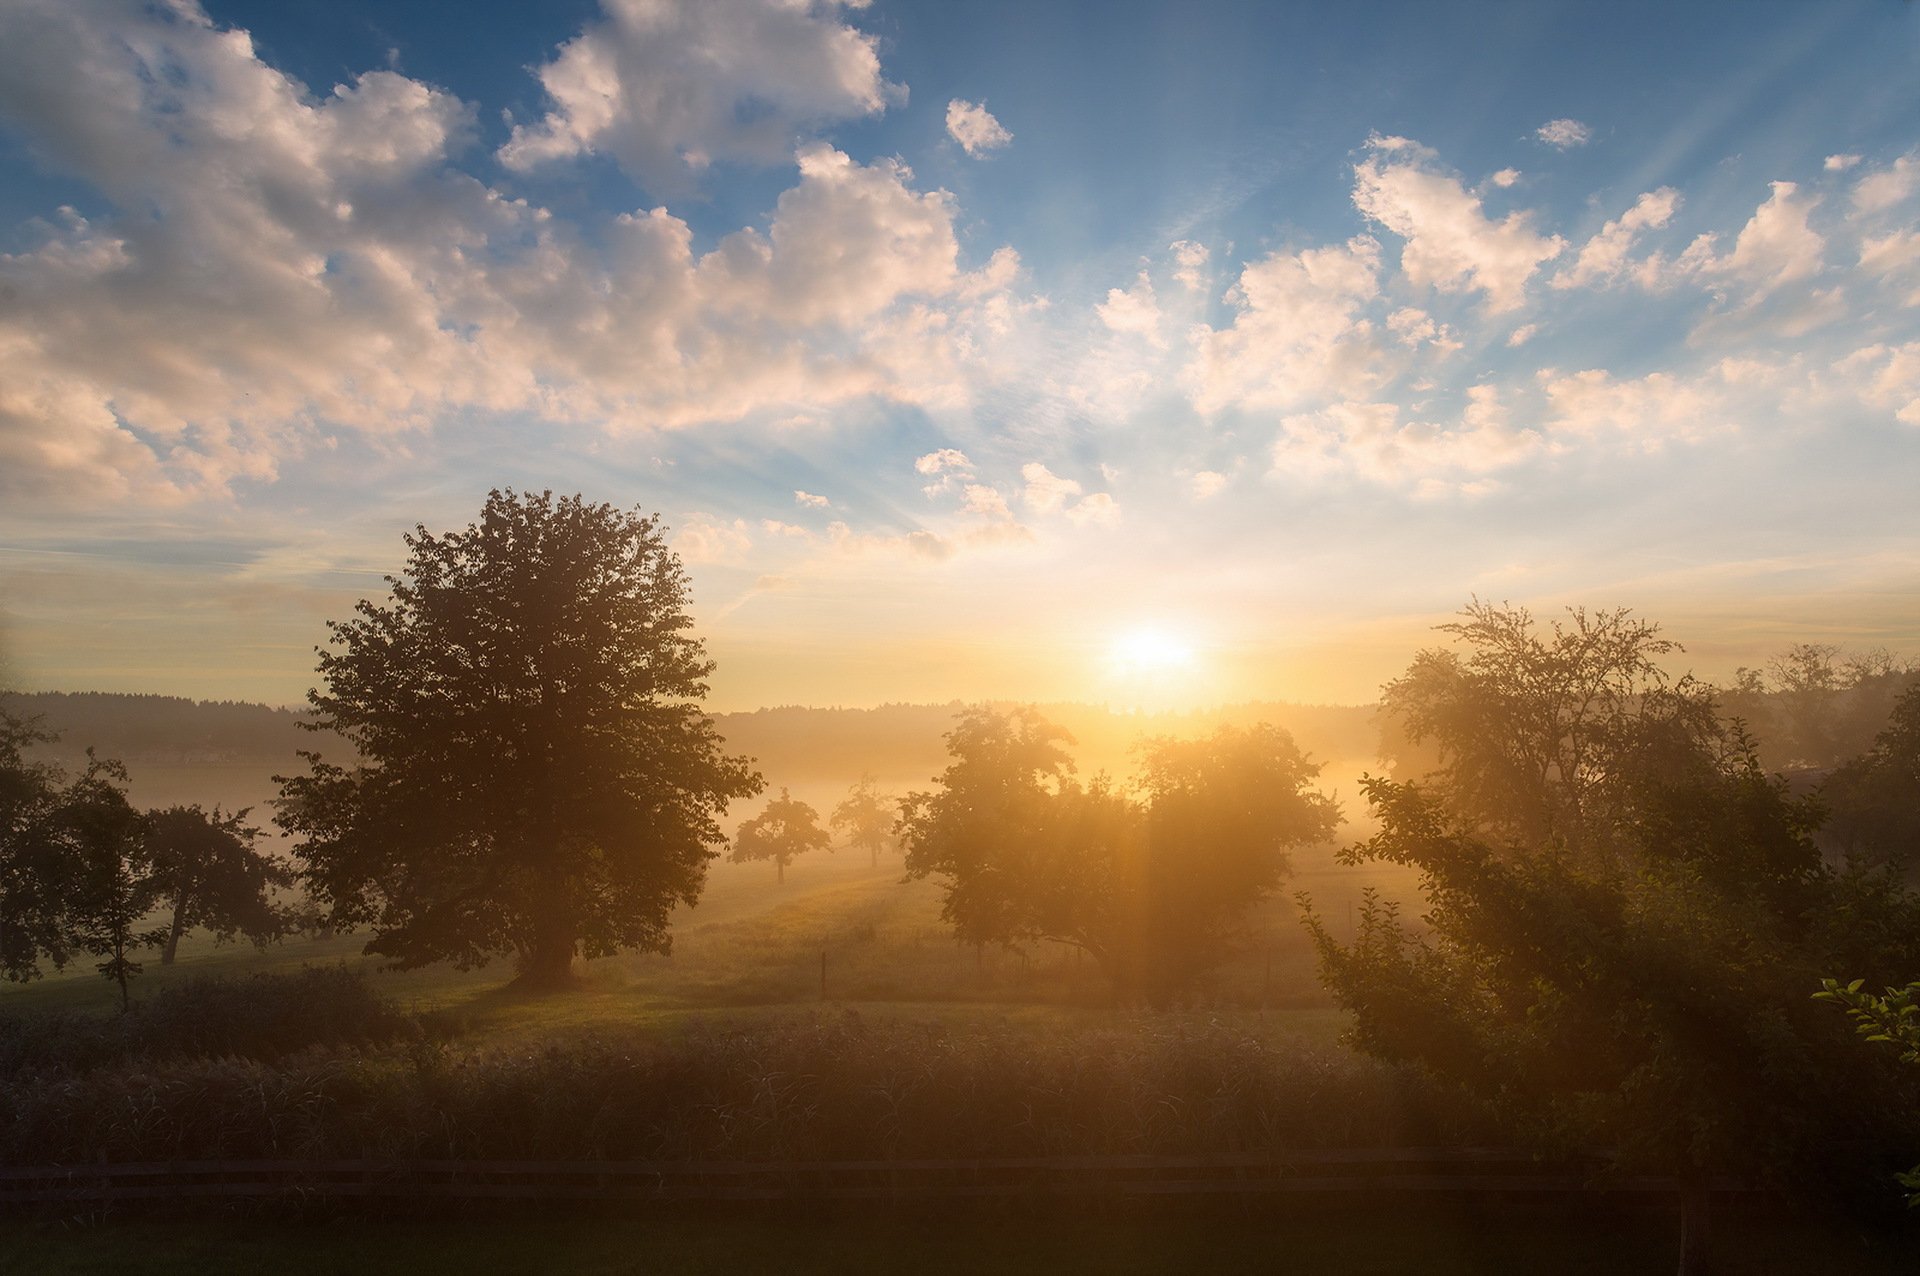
{"x": 1468, "y": 1171}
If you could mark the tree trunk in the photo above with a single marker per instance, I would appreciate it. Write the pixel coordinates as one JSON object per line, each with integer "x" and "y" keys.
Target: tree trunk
{"x": 779, "y": 870}
{"x": 173, "y": 933}
{"x": 548, "y": 964}
{"x": 1696, "y": 1200}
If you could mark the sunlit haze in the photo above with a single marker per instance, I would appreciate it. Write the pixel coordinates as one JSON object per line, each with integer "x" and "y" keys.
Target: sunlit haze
{"x": 1144, "y": 354}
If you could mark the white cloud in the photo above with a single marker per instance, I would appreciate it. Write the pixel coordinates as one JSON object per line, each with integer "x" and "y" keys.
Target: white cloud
{"x": 1604, "y": 258}
{"x": 1189, "y": 262}
{"x": 1564, "y": 134}
{"x": 1047, "y": 492}
{"x": 811, "y": 501}
{"x": 1505, "y": 178}
{"x": 1298, "y": 332}
{"x": 1135, "y": 311}
{"x": 667, "y": 87}
{"x": 1451, "y": 244}
{"x": 1097, "y": 510}
{"x": 984, "y": 501}
{"x": 1372, "y": 442}
{"x": 1415, "y": 327}
{"x": 1647, "y": 411}
{"x": 1881, "y": 190}
{"x": 1521, "y": 335}
{"x": 1887, "y": 377}
{"x": 1841, "y": 163}
{"x": 946, "y": 458}
{"x": 1207, "y": 484}
{"x": 1776, "y": 246}
{"x": 1894, "y": 257}
{"x": 704, "y": 538}
{"x": 973, "y": 126}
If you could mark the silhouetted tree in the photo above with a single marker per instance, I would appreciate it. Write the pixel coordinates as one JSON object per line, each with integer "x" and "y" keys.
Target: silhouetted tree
{"x": 535, "y": 773}
{"x": 35, "y": 885}
{"x": 1152, "y": 884}
{"x": 867, "y": 816}
{"x": 1530, "y": 724}
{"x": 786, "y": 829}
{"x": 1875, "y": 798}
{"x": 103, "y": 840}
{"x": 1892, "y": 1019}
{"x": 1621, "y": 916}
{"x": 205, "y": 870}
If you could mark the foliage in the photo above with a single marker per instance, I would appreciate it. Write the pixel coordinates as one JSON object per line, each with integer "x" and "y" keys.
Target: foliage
{"x": 1531, "y": 726}
{"x": 1875, "y": 798}
{"x": 205, "y": 870}
{"x": 867, "y": 816}
{"x": 536, "y": 774}
{"x": 33, "y": 886}
{"x": 102, "y": 840}
{"x": 1814, "y": 705}
{"x": 788, "y": 827}
{"x": 1892, "y": 1018}
{"x": 1152, "y": 886}
{"x": 1621, "y": 914}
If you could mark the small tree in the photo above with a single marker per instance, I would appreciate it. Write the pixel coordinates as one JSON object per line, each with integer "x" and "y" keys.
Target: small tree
{"x": 536, "y": 775}
{"x": 1892, "y": 1019}
{"x": 104, "y": 838}
{"x": 786, "y": 829}
{"x": 866, "y": 816}
{"x": 205, "y": 870}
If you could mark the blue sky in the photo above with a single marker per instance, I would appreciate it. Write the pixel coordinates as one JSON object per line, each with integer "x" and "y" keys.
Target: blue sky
{"x": 960, "y": 342}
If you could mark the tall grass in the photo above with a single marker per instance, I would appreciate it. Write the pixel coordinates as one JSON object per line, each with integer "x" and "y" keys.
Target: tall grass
{"x": 822, "y": 1087}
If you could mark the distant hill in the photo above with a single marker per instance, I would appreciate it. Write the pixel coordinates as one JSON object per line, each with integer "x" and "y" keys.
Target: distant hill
{"x": 161, "y": 729}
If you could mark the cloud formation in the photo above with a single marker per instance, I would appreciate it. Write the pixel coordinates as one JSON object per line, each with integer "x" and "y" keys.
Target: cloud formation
{"x": 1564, "y": 134}
{"x": 669, "y": 87}
{"x": 973, "y": 126}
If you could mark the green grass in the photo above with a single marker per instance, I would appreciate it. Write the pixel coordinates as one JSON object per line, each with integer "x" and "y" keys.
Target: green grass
{"x": 1391, "y": 1237}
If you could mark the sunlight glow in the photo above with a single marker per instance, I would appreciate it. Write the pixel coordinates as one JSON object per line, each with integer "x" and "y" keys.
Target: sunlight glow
{"x": 1150, "y": 652}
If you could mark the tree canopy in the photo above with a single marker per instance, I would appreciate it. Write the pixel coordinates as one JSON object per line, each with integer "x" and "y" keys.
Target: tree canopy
{"x": 1153, "y": 883}
{"x": 205, "y": 870}
{"x": 787, "y": 828}
{"x": 535, "y": 774}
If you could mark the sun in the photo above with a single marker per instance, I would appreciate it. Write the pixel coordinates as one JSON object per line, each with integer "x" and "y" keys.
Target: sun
{"x": 1150, "y": 652}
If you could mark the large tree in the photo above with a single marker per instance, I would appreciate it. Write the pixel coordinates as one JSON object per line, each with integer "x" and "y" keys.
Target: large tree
{"x": 34, "y": 879}
{"x": 786, "y": 829}
{"x": 1153, "y": 882}
{"x": 535, "y": 774}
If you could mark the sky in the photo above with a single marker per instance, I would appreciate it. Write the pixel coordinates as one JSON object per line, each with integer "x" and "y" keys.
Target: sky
{"x": 1146, "y": 353}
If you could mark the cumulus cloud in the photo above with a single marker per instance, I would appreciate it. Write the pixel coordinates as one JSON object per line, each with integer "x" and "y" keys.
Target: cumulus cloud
{"x": 280, "y": 267}
{"x": 704, "y": 538}
{"x": 1451, "y": 244}
{"x": 1888, "y": 378}
{"x": 1521, "y": 335}
{"x": 1505, "y": 178}
{"x": 1564, "y": 134}
{"x": 1604, "y": 259}
{"x": 1047, "y": 492}
{"x": 1098, "y": 510}
{"x": 973, "y": 126}
{"x": 1778, "y": 245}
{"x": 1841, "y": 163}
{"x": 667, "y": 87}
{"x": 1134, "y": 311}
{"x": 985, "y": 501}
{"x": 1299, "y": 331}
{"x": 1375, "y": 443}
{"x": 811, "y": 501}
{"x": 946, "y": 458}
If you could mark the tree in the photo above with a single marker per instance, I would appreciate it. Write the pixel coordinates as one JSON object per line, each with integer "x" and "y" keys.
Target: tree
{"x": 1153, "y": 883}
{"x": 867, "y": 817}
{"x": 34, "y": 875}
{"x": 103, "y": 841}
{"x": 206, "y": 871}
{"x": 1621, "y": 915}
{"x": 535, "y": 774}
{"x": 1875, "y": 798}
{"x": 1532, "y": 726}
{"x": 786, "y": 829}
{"x": 1892, "y": 1019}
